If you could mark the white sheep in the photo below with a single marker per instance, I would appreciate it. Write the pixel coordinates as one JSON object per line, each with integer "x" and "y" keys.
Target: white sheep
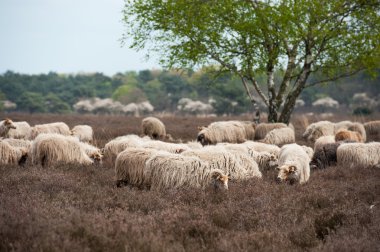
{"x": 280, "y": 136}
{"x": 49, "y": 149}
{"x": 21, "y": 131}
{"x": 10, "y": 155}
{"x": 361, "y": 155}
{"x": 57, "y": 127}
{"x": 236, "y": 164}
{"x": 259, "y": 147}
{"x": 293, "y": 164}
{"x": 130, "y": 165}
{"x": 84, "y": 133}
{"x": 322, "y": 141}
{"x": 153, "y": 127}
{"x": 167, "y": 170}
{"x": 318, "y": 129}
{"x": 169, "y": 147}
{"x": 117, "y": 145}
{"x": 18, "y": 142}
{"x": 262, "y": 129}
{"x": 5, "y": 126}
{"x": 222, "y": 131}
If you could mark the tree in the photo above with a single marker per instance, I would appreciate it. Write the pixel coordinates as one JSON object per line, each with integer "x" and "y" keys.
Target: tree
{"x": 250, "y": 38}
{"x": 31, "y": 102}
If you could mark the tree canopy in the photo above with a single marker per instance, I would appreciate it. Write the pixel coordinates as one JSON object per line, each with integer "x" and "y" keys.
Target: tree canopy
{"x": 299, "y": 38}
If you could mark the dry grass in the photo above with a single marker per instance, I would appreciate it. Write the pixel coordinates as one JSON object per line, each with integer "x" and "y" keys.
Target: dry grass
{"x": 73, "y": 208}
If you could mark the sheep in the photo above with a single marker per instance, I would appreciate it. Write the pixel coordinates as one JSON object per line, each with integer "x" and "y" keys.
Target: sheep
{"x": 342, "y": 125}
{"x": 293, "y": 164}
{"x": 153, "y": 127}
{"x": 343, "y": 135}
{"x": 93, "y": 152}
{"x": 361, "y": 155}
{"x": 222, "y": 131}
{"x": 19, "y": 143}
{"x": 265, "y": 160}
{"x": 167, "y": 170}
{"x": 11, "y": 155}
{"x": 5, "y": 126}
{"x": 322, "y": 141}
{"x": 84, "y": 133}
{"x": 117, "y": 145}
{"x": 358, "y": 127}
{"x": 21, "y": 131}
{"x": 325, "y": 156}
{"x": 194, "y": 145}
{"x": 238, "y": 165}
{"x": 259, "y": 147}
{"x": 130, "y": 165}
{"x": 250, "y": 128}
{"x": 52, "y": 148}
{"x": 372, "y": 130}
{"x": 57, "y": 127}
{"x": 262, "y": 129}
{"x": 280, "y": 136}
{"x": 318, "y": 129}
{"x": 309, "y": 151}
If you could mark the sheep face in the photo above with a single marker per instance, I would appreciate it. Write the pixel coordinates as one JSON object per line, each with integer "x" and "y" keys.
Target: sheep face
{"x": 8, "y": 123}
{"x": 219, "y": 181}
{"x": 288, "y": 173}
{"x": 202, "y": 138}
{"x": 96, "y": 157}
{"x": 23, "y": 158}
{"x": 317, "y": 133}
{"x": 273, "y": 161}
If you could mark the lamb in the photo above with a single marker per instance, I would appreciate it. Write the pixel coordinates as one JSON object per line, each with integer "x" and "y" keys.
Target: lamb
{"x": 130, "y": 165}
{"x": 263, "y": 129}
{"x": 280, "y": 136}
{"x": 167, "y": 170}
{"x": 293, "y": 164}
{"x": 117, "y": 145}
{"x": 57, "y": 127}
{"x": 238, "y": 165}
{"x": 222, "y": 131}
{"x": 84, "y": 133}
{"x": 153, "y": 127}
{"x": 5, "y": 126}
{"x": 372, "y": 130}
{"x": 49, "y": 149}
{"x": 343, "y": 135}
{"x": 360, "y": 155}
{"x": 21, "y": 131}
{"x": 10, "y": 155}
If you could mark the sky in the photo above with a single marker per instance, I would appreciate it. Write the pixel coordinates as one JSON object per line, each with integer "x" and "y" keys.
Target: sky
{"x": 66, "y": 36}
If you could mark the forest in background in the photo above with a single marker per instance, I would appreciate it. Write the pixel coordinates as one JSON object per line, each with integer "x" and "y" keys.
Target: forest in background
{"x": 57, "y": 93}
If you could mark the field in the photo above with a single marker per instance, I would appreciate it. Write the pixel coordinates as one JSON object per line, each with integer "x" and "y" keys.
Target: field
{"x": 73, "y": 208}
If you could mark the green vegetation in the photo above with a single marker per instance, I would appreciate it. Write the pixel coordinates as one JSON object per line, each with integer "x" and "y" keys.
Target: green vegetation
{"x": 57, "y": 93}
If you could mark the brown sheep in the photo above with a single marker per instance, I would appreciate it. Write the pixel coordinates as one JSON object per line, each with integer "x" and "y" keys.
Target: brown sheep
{"x": 343, "y": 135}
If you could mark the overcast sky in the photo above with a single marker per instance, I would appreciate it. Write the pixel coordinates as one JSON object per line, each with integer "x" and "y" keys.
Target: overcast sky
{"x": 65, "y": 36}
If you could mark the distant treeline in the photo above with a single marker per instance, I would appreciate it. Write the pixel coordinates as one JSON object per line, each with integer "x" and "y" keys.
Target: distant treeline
{"x": 57, "y": 93}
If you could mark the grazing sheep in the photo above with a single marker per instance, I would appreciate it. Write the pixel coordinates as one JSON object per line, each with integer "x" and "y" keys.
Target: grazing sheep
{"x": 249, "y": 129}
{"x": 358, "y": 127}
{"x": 308, "y": 150}
{"x": 265, "y": 160}
{"x": 343, "y": 135}
{"x": 322, "y": 141}
{"x": 167, "y": 170}
{"x": 93, "y": 152}
{"x": 238, "y": 165}
{"x": 318, "y": 129}
{"x": 130, "y": 165}
{"x": 57, "y": 127}
{"x": 360, "y": 155}
{"x": 372, "y": 130}
{"x": 342, "y": 125}
{"x": 5, "y": 126}
{"x": 259, "y": 147}
{"x": 263, "y": 129}
{"x": 293, "y": 164}
{"x": 222, "y": 131}
{"x": 117, "y": 145}
{"x": 153, "y": 127}
{"x": 84, "y": 133}
{"x": 10, "y": 155}
{"x": 280, "y": 136}
{"x": 325, "y": 156}
{"x": 21, "y": 131}
{"x": 49, "y": 149}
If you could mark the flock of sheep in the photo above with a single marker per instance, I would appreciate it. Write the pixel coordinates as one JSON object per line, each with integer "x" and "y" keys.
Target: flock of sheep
{"x": 224, "y": 150}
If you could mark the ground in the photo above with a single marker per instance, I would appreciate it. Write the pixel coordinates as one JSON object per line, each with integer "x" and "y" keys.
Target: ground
{"x": 73, "y": 208}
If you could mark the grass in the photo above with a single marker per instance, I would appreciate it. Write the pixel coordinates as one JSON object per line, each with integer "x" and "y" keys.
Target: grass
{"x": 74, "y": 208}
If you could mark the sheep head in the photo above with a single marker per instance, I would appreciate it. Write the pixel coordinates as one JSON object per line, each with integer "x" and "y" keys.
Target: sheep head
{"x": 288, "y": 173}
{"x": 219, "y": 180}
{"x": 9, "y": 124}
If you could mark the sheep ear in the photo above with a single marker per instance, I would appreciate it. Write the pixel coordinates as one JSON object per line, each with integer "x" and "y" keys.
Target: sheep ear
{"x": 292, "y": 168}
{"x": 216, "y": 175}
{"x": 201, "y": 127}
